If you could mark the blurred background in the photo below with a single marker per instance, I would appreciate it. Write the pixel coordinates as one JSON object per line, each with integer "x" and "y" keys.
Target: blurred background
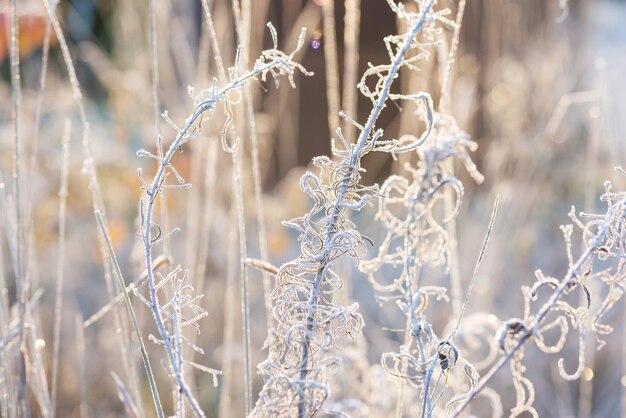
{"x": 537, "y": 84}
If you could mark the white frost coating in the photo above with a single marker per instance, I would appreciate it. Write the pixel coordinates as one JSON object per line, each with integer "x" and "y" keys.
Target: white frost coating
{"x": 306, "y": 320}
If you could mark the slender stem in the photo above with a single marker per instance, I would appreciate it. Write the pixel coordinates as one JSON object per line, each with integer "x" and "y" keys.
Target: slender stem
{"x": 131, "y": 314}
{"x": 455, "y": 274}
{"x": 82, "y": 379}
{"x": 32, "y": 169}
{"x": 56, "y": 338}
{"x": 351, "y": 65}
{"x": 244, "y": 41}
{"x": 156, "y": 115}
{"x": 21, "y": 284}
{"x": 155, "y": 189}
{"x": 229, "y": 322}
{"x": 94, "y": 187}
{"x": 243, "y": 270}
{"x": 410, "y": 261}
{"x": 355, "y": 157}
{"x": 481, "y": 254}
{"x": 426, "y": 409}
{"x": 332, "y": 70}
{"x": 242, "y": 28}
{"x": 242, "y": 25}
{"x": 565, "y": 283}
{"x": 445, "y": 88}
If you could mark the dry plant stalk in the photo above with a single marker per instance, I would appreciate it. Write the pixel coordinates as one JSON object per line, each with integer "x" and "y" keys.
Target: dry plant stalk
{"x": 307, "y": 321}
{"x": 604, "y": 241}
{"x": 182, "y": 308}
{"x": 416, "y": 238}
{"x": 90, "y": 171}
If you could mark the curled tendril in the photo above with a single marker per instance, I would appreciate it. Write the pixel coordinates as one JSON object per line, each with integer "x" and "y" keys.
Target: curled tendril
{"x": 406, "y": 206}
{"x": 416, "y": 234}
{"x": 307, "y": 321}
{"x": 477, "y": 338}
{"x": 603, "y": 240}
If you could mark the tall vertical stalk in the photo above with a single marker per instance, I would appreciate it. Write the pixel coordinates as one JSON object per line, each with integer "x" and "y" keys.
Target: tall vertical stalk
{"x": 58, "y": 303}
{"x": 271, "y": 62}
{"x": 20, "y": 281}
{"x": 351, "y": 64}
{"x": 303, "y": 304}
{"x": 131, "y": 313}
{"x": 332, "y": 68}
{"x": 337, "y": 208}
{"x": 96, "y": 194}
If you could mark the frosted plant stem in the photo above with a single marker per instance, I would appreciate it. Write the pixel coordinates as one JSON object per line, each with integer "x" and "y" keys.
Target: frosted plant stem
{"x": 426, "y": 409}
{"x": 229, "y": 322}
{"x": 177, "y": 320}
{"x": 454, "y": 45}
{"x": 131, "y": 314}
{"x": 45, "y": 53}
{"x": 156, "y": 115}
{"x": 355, "y": 157}
{"x": 408, "y": 338}
{"x": 5, "y": 368}
{"x": 238, "y": 187}
{"x": 21, "y": 286}
{"x": 243, "y": 271}
{"x": 258, "y": 194}
{"x": 538, "y": 318}
{"x": 286, "y": 107}
{"x": 243, "y": 33}
{"x": 94, "y": 187}
{"x": 147, "y": 223}
{"x": 585, "y": 386}
{"x": 38, "y": 111}
{"x": 58, "y": 304}
{"x": 258, "y": 198}
{"x": 39, "y": 384}
{"x": 210, "y": 177}
{"x": 332, "y": 70}
{"x": 351, "y": 64}
{"x": 481, "y": 255}
{"x": 82, "y": 380}
{"x": 412, "y": 283}
{"x": 456, "y": 285}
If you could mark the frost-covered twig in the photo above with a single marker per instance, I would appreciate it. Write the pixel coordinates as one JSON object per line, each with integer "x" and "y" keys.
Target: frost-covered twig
{"x": 351, "y": 64}
{"x": 272, "y": 62}
{"x": 307, "y": 321}
{"x": 417, "y": 237}
{"x": 604, "y": 239}
{"x": 243, "y": 34}
{"x": 21, "y": 285}
{"x": 131, "y": 313}
{"x": 90, "y": 170}
{"x": 58, "y": 301}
